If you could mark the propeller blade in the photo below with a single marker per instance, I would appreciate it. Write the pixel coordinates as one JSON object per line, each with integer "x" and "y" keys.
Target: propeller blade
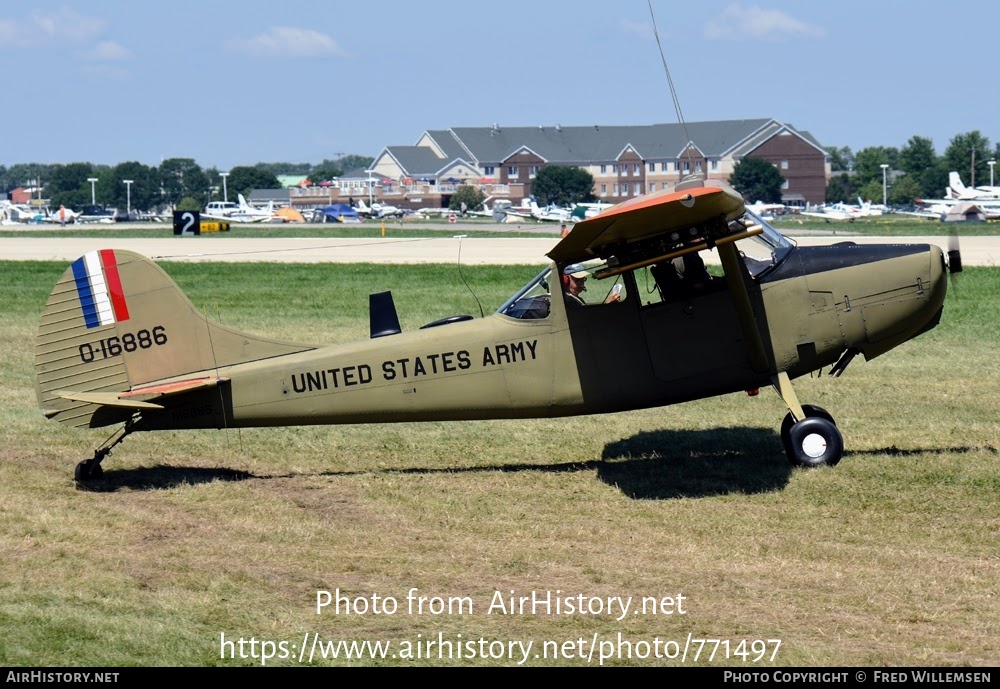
{"x": 954, "y": 254}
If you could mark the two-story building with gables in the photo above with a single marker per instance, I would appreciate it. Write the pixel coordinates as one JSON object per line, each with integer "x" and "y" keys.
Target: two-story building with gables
{"x": 625, "y": 161}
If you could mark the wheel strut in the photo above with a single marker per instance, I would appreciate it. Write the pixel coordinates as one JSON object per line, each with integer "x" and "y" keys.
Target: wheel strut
{"x": 90, "y": 469}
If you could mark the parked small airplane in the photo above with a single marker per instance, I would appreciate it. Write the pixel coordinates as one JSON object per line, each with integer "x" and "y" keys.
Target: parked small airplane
{"x": 241, "y": 212}
{"x": 377, "y": 210}
{"x": 985, "y": 197}
{"x": 958, "y": 191}
{"x": 119, "y": 343}
{"x": 840, "y": 211}
{"x": 766, "y": 210}
{"x": 551, "y": 213}
{"x": 19, "y": 214}
{"x": 62, "y": 216}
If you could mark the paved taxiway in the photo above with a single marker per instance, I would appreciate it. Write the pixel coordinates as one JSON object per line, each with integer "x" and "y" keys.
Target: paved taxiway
{"x": 976, "y": 251}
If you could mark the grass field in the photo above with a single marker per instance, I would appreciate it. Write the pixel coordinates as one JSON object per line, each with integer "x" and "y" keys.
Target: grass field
{"x": 892, "y": 558}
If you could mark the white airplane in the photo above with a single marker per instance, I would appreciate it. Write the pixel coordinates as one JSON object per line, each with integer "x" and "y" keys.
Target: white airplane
{"x": 766, "y": 210}
{"x": 19, "y": 214}
{"x": 840, "y": 211}
{"x": 958, "y": 191}
{"x": 986, "y": 197}
{"x": 63, "y": 216}
{"x": 243, "y": 213}
{"x": 377, "y": 210}
{"x": 550, "y": 213}
{"x": 589, "y": 210}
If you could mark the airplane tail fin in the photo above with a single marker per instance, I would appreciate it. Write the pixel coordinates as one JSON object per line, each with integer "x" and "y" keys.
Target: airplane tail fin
{"x": 956, "y": 186}
{"x": 116, "y": 327}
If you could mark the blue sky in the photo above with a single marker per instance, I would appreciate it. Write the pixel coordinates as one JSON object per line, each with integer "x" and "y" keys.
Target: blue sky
{"x": 235, "y": 83}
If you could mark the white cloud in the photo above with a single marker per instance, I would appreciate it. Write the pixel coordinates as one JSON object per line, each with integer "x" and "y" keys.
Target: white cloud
{"x": 286, "y": 41}
{"x": 739, "y": 23}
{"x": 40, "y": 29}
{"x": 639, "y": 29}
{"x": 109, "y": 51}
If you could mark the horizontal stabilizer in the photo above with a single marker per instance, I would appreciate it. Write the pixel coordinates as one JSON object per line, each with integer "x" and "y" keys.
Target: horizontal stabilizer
{"x": 104, "y": 399}
{"x": 138, "y": 398}
{"x": 152, "y": 392}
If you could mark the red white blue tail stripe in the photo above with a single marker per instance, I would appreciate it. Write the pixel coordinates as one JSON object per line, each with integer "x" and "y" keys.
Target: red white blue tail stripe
{"x": 100, "y": 288}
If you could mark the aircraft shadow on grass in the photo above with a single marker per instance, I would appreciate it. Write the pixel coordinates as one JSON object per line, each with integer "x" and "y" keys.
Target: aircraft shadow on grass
{"x": 649, "y": 465}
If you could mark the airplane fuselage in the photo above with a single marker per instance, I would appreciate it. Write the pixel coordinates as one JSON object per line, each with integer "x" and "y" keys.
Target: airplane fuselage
{"x": 817, "y": 304}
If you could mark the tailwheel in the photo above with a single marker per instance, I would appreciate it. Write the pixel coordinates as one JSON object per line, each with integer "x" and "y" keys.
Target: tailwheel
{"x": 88, "y": 470}
{"x": 814, "y": 442}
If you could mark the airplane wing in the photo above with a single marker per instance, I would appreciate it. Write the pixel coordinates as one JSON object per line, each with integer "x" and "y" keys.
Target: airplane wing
{"x": 646, "y": 217}
{"x": 826, "y": 216}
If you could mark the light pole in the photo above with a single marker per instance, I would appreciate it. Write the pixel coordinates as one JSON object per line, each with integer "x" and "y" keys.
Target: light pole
{"x": 991, "y": 163}
{"x": 884, "y": 167}
{"x": 128, "y": 197}
{"x": 225, "y": 194}
{"x": 93, "y": 194}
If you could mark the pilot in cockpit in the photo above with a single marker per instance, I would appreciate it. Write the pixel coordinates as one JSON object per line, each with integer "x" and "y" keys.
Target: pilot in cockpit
{"x": 574, "y": 281}
{"x": 684, "y": 276}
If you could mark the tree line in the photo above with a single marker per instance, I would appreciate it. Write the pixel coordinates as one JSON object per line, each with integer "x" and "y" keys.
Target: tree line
{"x": 174, "y": 182}
{"x": 914, "y": 171}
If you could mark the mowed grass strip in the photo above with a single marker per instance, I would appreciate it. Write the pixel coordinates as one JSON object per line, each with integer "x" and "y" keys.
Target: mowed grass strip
{"x": 890, "y": 558}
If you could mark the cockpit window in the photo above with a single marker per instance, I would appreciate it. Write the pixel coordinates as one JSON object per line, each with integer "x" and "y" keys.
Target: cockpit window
{"x": 765, "y": 250}
{"x": 581, "y": 286}
{"x": 532, "y": 301}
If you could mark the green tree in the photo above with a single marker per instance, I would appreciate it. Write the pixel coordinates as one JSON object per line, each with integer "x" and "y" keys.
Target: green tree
{"x": 905, "y": 190}
{"x": 961, "y": 152}
{"x": 285, "y": 168}
{"x": 868, "y": 164}
{"x": 562, "y": 185}
{"x": 917, "y": 155}
{"x": 183, "y": 177}
{"x": 871, "y": 191}
{"x": 189, "y": 204}
{"x": 27, "y": 174}
{"x": 471, "y": 197}
{"x": 142, "y": 194}
{"x": 68, "y": 186}
{"x": 839, "y": 189}
{"x": 841, "y": 159}
{"x": 757, "y": 179}
{"x": 923, "y": 166}
{"x": 350, "y": 162}
{"x": 323, "y": 174}
{"x": 243, "y": 180}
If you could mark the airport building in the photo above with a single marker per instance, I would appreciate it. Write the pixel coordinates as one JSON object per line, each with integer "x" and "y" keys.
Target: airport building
{"x": 625, "y": 161}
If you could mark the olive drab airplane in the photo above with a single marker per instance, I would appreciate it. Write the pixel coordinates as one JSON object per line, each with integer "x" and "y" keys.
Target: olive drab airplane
{"x": 624, "y": 317}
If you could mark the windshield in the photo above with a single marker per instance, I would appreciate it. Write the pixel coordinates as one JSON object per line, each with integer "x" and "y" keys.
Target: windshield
{"x": 765, "y": 250}
{"x": 531, "y": 301}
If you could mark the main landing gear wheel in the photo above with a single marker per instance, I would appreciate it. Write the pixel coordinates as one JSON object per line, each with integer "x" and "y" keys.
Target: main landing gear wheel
{"x": 810, "y": 410}
{"x": 813, "y": 442}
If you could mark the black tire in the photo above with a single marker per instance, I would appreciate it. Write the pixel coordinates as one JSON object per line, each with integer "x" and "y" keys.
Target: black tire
{"x": 814, "y": 442}
{"x": 810, "y": 411}
{"x": 88, "y": 470}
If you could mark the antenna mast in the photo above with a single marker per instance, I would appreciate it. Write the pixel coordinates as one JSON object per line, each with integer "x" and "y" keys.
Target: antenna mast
{"x": 673, "y": 91}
